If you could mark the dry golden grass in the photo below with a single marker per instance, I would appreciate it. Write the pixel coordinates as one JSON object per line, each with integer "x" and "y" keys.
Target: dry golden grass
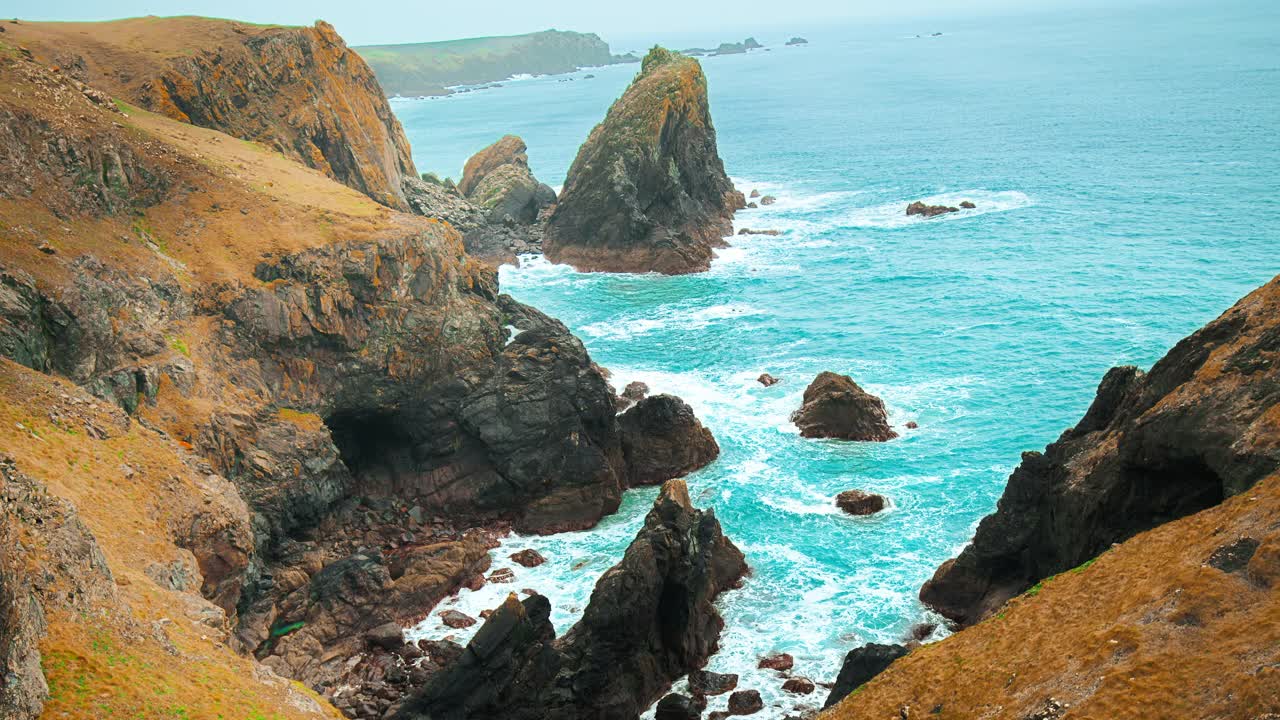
{"x": 1146, "y": 631}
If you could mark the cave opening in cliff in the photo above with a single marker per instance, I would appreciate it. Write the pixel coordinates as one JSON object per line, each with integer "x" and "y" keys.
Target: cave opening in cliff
{"x": 373, "y": 445}
{"x": 1169, "y": 488}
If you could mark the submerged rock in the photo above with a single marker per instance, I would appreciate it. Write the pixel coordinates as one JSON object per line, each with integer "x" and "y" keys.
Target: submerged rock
{"x": 650, "y": 620}
{"x": 749, "y": 231}
{"x": 967, "y": 205}
{"x": 835, "y": 407}
{"x": 768, "y": 380}
{"x": 647, "y": 191}
{"x": 860, "y": 665}
{"x": 857, "y": 502}
{"x": 1152, "y": 447}
{"x": 768, "y": 200}
{"x": 919, "y": 208}
{"x": 662, "y": 439}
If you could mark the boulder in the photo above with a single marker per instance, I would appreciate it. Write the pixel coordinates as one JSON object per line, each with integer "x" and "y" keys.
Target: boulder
{"x": 835, "y": 407}
{"x": 677, "y": 707}
{"x": 768, "y": 380}
{"x": 650, "y": 620}
{"x": 702, "y": 682}
{"x": 752, "y": 206}
{"x": 387, "y": 636}
{"x": 662, "y": 439}
{"x": 456, "y": 620}
{"x": 967, "y": 205}
{"x": 647, "y": 191}
{"x": 857, "y": 502}
{"x": 798, "y": 686}
{"x": 919, "y": 208}
{"x": 1152, "y": 447}
{"x": 860, "y": 665}
{"x": 745, "y": 702}
{"x": 528, "y": 558}
{"x": 777, "y": 661}
{"x": 912, "y": 425}
{"x": 754, "y": 194}
{"x": 768, "y": 200}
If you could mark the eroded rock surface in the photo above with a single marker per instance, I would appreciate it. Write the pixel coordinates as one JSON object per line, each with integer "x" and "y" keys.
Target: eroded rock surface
{"x": 647, "y": 191}
{"x": 662, "y": 439}
{"x": 835, "y": 407}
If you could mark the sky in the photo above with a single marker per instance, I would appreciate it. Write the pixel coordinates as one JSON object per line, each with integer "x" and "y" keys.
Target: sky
{"x": 395, "y": 21}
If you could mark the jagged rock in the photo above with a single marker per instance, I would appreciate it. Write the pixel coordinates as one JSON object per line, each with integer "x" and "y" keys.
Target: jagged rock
{"x": 860, "y": 665}
{"x": 635, "y": 391}
{"x": 919, "y": 208}
{"x": 677, "y": 707}
{"x": 857, "y": 502}
{"x": 835, "y": 407}
{"x": 498, "y": 180}
{"x": 768, "y": 380}
{"x": 494, "y": 242}
{"x": 457, "y": 620}
{"x": 778, "y": 661}
{"x": 650, "y": 620}
{"x": 923, "y": 631}
{"x": 647, "y": 191}
{"x": 702, "y": 682}
{"x": 798, "y": 686}
{"x": 528, "y": 558}
{"x": 745, "y": 702}
{"x": 662, "y": 439}
{"x": 1152, "y": 447}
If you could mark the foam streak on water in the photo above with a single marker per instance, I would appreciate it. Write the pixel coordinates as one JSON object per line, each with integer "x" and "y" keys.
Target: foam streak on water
{"x": 1108, "y": 225}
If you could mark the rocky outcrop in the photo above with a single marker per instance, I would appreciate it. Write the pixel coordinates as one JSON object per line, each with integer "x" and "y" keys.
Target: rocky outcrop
{"x": 647, "y": 191}
{"x": 662, "y": 439}
{"x": 1197, "y": 428}
{"x": 650, "y": 620}
{"x": 299, "y": 91}
{"x": 860, "y": 665}
{"x": 498, "y": 180}
{"x": 493, "y": 242}
{"x": 858, "y": 502}
{"x": 797, "y": 41}
{"x": 920, "y": 208}
{"x": 835, "y": 407}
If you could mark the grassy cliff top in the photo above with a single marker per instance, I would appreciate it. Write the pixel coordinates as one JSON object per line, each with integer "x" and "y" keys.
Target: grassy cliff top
{"x": 667, "y": 82}
{"x": 159, "y": 38}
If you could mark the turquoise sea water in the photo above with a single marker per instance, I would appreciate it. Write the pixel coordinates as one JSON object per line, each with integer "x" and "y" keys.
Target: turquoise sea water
{"x": 1124, "y": 164}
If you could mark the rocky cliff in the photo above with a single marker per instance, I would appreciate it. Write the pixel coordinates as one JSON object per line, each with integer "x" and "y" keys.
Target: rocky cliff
{"x": 284, "y": 411}
{"x": 650, "y": 620}
{"x": 413, "y": 69}
{"x": 299, "y": 91}
{"x": 1202, "y": 425}
{"x": 647, "y": 191}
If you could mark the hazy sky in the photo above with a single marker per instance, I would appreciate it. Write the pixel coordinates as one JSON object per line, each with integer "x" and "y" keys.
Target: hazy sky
{"x": 387, "y": 21}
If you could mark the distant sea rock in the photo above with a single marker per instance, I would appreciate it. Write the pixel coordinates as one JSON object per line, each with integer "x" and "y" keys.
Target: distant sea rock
{"x": 835, "y": 407}
{"x": 647, "y": 191}
{"x": 919, "y": 208}
{"x": 797, "y": 41}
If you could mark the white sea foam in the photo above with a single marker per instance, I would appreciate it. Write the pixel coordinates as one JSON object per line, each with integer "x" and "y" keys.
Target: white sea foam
{"x": 676, "y": 315}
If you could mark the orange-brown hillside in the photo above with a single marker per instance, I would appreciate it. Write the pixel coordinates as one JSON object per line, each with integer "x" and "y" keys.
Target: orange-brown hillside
{"x": 1173, "y": 624}
{"x": 298, "y": 90}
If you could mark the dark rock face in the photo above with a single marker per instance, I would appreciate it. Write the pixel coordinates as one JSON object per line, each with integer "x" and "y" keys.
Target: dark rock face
{"x": 860, "y": 665}
{"x": 498, "y": 180}
{"x": 493, "y": 241}
{"x": 647, "y": 191}
{"x": 528, "y": 558}
{"x": 650, "y": 620}
{"x": 702, "y": 682}
{"x": 919, "y": 208}
{"x": 662, "y": 439}
{"x": 677, "y": 707}
{"x": 857, "y": 502}
{"x": 1153, "y": 447}
{"x": 798, "y": 686}
{"x": 745, "y": 702}
{"x": 835, "y": 407}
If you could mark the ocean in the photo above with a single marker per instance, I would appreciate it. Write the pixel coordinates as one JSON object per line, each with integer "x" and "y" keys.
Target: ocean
{"x": 1124, "y": 165}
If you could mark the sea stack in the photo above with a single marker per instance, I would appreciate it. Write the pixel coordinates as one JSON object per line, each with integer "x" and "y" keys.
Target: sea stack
{"x": 648, "y": 191}
{"x": 835, "y": 407}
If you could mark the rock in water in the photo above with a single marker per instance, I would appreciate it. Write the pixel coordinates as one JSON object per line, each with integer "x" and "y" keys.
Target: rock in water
{"x": 860, "y": 665}
{"x": 648, "y": 191}
{"x": 662, "y": 439}
{"x": 498, "y": 180}
{"x": 676, "y": 707}
{"x": 768, "y": 380}
{"x": 967, "y": 204}
{"x": 650, "y": 620}
{"x": 919, "y": 208}
{"x": 835, "y": 407}
{"x": 857, "y": 502}
{"x": 745, "y": 702}
{"x": 1152, "y": 448}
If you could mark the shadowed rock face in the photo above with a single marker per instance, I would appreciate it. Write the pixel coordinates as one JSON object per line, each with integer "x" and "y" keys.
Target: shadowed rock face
{"x": 860, "y": 665}
{"x": 650, "y": 620}
{"x": 835, "y": 407}
{"x": 1153, "y": 447}
{"x": 647, "y": 191}
{"x": 498, "y": 180}
{"x": 663, "y": 439}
